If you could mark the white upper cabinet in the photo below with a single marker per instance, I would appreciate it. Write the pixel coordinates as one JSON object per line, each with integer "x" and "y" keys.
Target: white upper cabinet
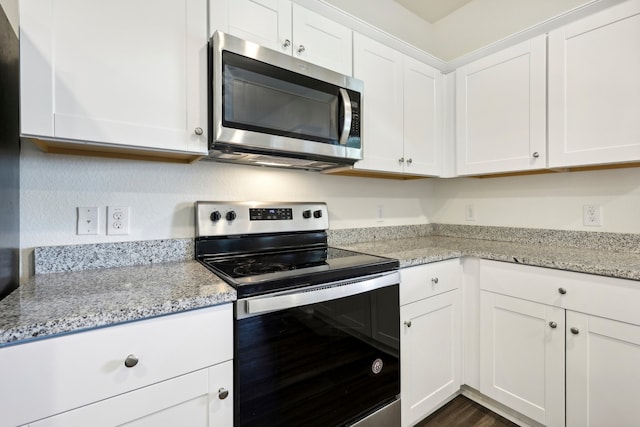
{"x": 321, "y": 41}
{"x": 380, "y": 67}
{"x": 402, "y": 110}
{"x": 594, "y": 89}
{"x": 423, "y": 121}
{"x": 288, "y": 28}
{"x": 119, "y": 73}
{"x": 501, "y": 111}
{"x": 265, "y": 22}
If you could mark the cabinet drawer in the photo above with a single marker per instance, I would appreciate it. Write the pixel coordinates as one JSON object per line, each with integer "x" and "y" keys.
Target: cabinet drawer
{"x": 426, "y": 280}
{"x": 609, "y": 297}
{"x": 58, "y": 374}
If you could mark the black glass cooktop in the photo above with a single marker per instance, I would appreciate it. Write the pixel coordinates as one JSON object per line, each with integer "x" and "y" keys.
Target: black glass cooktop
{"x": 254, "y": 274}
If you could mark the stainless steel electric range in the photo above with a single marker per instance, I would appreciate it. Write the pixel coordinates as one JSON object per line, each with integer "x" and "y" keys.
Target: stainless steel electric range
{"x": 316, "y": 330}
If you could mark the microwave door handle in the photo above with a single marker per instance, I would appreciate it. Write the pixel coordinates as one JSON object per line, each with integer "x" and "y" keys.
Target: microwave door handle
{"x": 346, "y": 126}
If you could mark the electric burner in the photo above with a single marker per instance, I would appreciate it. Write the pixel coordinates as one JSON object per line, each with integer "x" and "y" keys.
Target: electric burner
{"x": 261, "y": 248}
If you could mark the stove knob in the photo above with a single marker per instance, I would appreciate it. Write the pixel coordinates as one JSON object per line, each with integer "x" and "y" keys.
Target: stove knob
{"x": 306, "y": 214}
{"x": 317, "y": 214}
{"x": 215, "y": 216}
{"x": 231, "y": 215}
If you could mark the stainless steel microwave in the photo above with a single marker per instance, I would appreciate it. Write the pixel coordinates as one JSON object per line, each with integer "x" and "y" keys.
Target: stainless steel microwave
{"x": 269, "y": 108}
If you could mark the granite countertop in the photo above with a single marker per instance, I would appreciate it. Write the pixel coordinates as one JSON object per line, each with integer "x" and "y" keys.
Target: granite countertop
{"x": 69, "y": 293}
{"x": 427, "y": 249}
{"x": 56, "y": 303}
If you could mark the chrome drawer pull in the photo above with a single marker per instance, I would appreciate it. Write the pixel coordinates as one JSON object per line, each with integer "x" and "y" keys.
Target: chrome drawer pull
{"x": 223, "y": 393}
{"x": 131, "y": 361}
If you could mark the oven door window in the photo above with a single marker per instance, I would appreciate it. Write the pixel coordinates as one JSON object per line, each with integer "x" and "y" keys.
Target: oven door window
{"x": 322, "y": 364}
{"x": 263, "y": 98}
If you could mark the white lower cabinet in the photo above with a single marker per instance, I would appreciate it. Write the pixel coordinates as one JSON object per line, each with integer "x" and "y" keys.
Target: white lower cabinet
{"x": 551, "y": 340}
{"x": 603, "y": 372}
{"x": 166, "y": 371}
{"x": 522, "y": 356}
{"x": 430, "y": 342}
{"x": 189, "y": 400}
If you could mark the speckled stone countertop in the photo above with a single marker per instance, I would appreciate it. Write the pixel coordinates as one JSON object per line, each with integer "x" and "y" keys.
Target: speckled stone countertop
{"x": 80, "y": 287}
{"x": 50, "y": 304}
{"x": 427, "y": 249}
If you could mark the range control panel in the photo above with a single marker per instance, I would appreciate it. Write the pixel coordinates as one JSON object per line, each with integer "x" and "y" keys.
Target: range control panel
{"x": 270, "y": 214}
{"x": 232, "y": 218}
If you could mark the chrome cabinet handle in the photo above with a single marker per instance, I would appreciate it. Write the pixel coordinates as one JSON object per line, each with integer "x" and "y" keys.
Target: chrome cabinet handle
{"x": 407, "y": 323}
{"x": 535, "y": 154}
{"x": 301, "y": 49}
{"x": 575, "y": 331}
{"x": 409, "y": 161}
{"x": 401, "y": 160}
{"x": 553, "y": 324}
{"x": 434, "y": 280}
{"x": 286, "y": 43}
{"x": 562, "y": 291}
{"x": 131, "y": 361}
{"x": 223, "y": 393}
{"x": 198, "y": 131}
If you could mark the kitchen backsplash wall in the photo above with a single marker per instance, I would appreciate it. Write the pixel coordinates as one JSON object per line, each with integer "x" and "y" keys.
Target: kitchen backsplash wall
{"x": 553, "y": 201}
{"x": 161, "y": 196}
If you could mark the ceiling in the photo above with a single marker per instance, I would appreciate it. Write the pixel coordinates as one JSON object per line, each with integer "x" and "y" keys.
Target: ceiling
{"x": 432, "y": 10}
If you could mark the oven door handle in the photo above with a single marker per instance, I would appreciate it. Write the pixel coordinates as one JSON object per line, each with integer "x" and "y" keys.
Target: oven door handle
{"x": 264, "y": 304}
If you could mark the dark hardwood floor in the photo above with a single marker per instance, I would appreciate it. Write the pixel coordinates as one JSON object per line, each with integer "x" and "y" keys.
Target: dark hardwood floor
{"x": 464, "y": 412}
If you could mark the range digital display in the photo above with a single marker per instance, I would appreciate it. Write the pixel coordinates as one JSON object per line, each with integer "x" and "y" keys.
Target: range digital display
{"x": 270, "y": 214}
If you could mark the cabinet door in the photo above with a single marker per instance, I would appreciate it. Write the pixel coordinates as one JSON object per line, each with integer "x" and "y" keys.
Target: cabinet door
{"x": 594, "y": 89}
{"x": 522, "y": 356}
{"x": 430, "y": 354}
{"x": 265, "y": 22}
{"x": 603, "y": 373}
{"x": 123, "y": 72}
{"x": 180, "y": 401}
{"x": 422, "y": 118}
{"x": 501, "y": 111}
{"x": 380, "y": 67}
{"x": 321, "y": 41}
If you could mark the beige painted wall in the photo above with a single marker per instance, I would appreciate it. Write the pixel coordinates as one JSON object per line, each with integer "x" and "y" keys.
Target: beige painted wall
{"x": 475, "y": 25}
{"x": 11, "y": 10}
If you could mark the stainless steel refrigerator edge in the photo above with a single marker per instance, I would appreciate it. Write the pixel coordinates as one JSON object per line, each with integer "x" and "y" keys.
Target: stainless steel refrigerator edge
{"x": 9, "y": 158}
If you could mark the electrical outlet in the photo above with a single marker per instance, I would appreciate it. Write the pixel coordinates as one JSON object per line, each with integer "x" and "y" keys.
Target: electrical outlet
{"x": 591, "y": 215}
{"x": 470, "y": 212}
{"x": 87, "y": 220}
{"x": 118, "y": 220}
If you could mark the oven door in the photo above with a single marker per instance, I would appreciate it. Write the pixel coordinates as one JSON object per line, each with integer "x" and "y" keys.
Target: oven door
{"x": 323, "y": 357}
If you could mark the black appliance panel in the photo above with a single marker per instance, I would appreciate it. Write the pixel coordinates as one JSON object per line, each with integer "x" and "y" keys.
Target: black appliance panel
{"x": 324, "y": 364}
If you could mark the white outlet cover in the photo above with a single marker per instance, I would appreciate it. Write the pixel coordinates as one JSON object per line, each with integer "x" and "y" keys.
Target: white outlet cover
{"x": 591, "y": 216}
{"x": 470, "y": 212}
{"x": 118, "y": 220}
